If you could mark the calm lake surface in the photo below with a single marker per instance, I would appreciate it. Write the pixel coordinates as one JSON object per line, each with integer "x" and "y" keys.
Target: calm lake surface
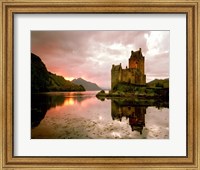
{"x": 80, "y": 115}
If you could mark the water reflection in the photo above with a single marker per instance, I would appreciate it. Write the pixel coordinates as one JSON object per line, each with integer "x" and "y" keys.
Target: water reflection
{"x": 134, "y": 110}
{"x": 41, "y": 103}
{"x": 135, "y": 114}
{"x": 81, "y": 115}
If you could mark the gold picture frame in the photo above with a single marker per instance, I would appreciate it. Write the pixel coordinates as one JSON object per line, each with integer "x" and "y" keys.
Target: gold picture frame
{"x": 11, "y": 7}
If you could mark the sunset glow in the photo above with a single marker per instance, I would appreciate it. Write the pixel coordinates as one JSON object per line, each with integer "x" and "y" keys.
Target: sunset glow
{"x": 69, "y": 78}
{"x": 90, "y": 54}
{"x": 69, "y": 101}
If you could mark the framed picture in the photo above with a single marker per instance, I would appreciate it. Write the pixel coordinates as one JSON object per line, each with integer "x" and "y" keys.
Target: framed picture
{"x": 99, "y": 84}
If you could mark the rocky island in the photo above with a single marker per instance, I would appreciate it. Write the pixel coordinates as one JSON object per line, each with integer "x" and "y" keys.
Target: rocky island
{"x": 131, "y": 83}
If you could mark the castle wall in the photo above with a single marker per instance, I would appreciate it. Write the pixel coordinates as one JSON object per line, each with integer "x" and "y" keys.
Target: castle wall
{"x": 141, "y": 65}
{"x": 143, "y": 79}
{"x": 127, "y": 76}
{"x": 116, "y": 77}
{"x": 133, "y": 76}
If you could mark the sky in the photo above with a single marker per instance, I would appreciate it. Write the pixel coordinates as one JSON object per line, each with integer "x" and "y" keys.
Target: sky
{"x": 90, "y": 54}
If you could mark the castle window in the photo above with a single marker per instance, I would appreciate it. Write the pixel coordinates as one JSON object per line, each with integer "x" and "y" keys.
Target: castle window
{"x": 136, "y": 64}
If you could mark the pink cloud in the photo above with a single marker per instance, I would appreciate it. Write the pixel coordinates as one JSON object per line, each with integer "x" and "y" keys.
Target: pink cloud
{"x": 90, "y": 54}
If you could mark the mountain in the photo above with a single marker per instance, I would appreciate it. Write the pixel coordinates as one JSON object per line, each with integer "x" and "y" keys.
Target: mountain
{"x": 89, "y": 86}
{"x": 39, "y": 74}
{"x": 42, "y": 80}
{"x": 159, "y": 83}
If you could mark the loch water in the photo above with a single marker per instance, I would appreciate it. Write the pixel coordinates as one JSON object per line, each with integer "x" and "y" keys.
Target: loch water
{"x": 80, "y": 115}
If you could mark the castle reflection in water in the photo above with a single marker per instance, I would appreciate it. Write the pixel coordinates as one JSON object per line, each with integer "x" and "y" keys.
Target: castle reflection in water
{"x": 135, "y": 114}
{"x": 119, "y": 108}
{"x": 134, "y": 111}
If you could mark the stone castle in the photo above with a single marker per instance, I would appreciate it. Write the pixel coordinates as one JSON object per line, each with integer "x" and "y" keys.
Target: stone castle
{"x": 133, "y": 75}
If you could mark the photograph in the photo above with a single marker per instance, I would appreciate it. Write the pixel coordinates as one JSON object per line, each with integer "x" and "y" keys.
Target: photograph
{"x": 100, "y": 84}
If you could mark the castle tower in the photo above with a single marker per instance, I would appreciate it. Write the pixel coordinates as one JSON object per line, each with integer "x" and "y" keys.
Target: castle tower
{"x": 116, "y": 75}
{"x": 136, "y": 61}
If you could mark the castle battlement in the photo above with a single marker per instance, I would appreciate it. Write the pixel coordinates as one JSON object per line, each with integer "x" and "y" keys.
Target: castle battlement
{"x": 134, "y": 74}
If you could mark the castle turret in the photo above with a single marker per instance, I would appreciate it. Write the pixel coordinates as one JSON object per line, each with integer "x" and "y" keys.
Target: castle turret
{"x": 136, "y": 60}
{"x": 116, "y": 75}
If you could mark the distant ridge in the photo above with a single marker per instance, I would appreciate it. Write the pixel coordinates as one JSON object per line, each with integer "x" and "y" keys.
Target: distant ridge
{"x": 89, "y": 86}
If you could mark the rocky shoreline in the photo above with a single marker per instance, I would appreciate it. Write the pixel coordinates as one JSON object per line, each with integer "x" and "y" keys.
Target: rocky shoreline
{"x": 150, "y": 97}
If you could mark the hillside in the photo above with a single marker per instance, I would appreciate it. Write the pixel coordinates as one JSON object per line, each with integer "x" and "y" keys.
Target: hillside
{"x": 89, "y": 86}
{"x": 39, "y": 75}
{"x": 159, "y": 83}
{"x": 44, "y": 81}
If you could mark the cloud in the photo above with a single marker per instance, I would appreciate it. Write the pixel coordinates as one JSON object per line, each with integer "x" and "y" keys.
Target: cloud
{"x": 158, "y": 66}
{"x": 90, "y": 54}
{"x": 157, "y": 42}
